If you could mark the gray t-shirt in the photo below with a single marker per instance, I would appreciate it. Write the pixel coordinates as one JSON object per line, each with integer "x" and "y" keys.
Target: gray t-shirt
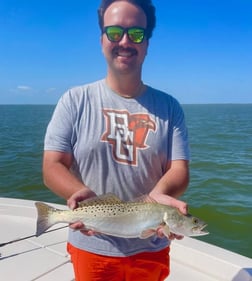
{"x": 120, "y": 146}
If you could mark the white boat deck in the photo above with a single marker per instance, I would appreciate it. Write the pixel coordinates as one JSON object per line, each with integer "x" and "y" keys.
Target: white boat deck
{"x": 45, "y": 258}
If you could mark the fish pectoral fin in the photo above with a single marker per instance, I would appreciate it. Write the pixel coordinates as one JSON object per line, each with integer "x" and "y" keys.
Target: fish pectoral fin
{"x": 88, "y": 231}
{"x": 166, "y": 230}
{"x": 147, "y": 233}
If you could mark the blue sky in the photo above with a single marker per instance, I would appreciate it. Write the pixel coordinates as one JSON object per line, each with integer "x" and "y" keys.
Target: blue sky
{"x": 201, "y": 50}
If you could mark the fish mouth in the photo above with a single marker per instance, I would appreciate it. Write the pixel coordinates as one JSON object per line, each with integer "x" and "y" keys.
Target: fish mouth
{"x": 199, "y": 230}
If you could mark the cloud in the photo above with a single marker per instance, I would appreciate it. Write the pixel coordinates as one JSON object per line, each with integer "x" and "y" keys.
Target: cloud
{"x": 50, "y": 90}
{"x": 24, "y": 88}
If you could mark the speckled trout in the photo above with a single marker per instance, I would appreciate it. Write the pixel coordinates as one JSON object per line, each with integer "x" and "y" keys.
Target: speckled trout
{"x": 109, "y": 215}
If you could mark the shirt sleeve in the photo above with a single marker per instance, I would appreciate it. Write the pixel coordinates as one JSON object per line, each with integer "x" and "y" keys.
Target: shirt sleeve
{"x": 60, "y": 131}
{"x": 180, "y": 144}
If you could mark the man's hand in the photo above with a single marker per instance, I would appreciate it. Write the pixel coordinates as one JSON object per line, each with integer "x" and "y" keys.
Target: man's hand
{"x": 79, "y": 196}
{"x": 173, "y": 202}
{"x": 72, "y": 203}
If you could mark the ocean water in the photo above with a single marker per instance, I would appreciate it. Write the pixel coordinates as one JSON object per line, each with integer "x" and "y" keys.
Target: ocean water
{"x": 220, "y": 190}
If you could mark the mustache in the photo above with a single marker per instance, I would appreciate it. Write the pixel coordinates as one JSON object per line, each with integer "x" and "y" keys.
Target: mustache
{"x": 118, "y": 49}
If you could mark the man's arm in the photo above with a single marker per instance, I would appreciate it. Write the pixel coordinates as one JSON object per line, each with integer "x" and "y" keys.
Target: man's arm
{"x": 58, "y": 178}
{"x": 173, "y": 184}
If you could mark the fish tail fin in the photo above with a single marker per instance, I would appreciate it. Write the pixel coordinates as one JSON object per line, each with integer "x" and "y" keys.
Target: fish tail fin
{"x": 45, "y": 217}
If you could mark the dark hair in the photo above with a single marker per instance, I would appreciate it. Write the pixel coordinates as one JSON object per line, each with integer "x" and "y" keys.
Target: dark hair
{"x": 145, "y": 5}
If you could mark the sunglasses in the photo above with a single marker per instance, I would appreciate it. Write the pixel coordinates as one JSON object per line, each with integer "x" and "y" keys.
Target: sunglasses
{"x": 115, "y": 33}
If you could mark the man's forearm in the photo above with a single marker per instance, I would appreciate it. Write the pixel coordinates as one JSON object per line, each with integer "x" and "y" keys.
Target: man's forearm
{"x": 57, "y": 175}
{"x": 61, "y": 181}
{"x": 175, "y": 181}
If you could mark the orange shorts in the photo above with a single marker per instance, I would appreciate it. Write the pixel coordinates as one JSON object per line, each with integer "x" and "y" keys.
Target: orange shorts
{"x": 148, "y": 266}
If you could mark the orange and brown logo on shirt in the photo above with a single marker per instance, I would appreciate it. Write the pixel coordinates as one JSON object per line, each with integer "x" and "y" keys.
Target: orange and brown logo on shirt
{"x": 126, "y": 133}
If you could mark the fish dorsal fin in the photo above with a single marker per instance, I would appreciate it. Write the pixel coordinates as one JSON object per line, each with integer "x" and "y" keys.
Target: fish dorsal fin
{"x": 144, "y": 199}
{"x": 108, "y": 198}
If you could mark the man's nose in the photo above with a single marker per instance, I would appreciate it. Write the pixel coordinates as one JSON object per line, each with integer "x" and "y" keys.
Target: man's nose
{"x": 125, "y": 39}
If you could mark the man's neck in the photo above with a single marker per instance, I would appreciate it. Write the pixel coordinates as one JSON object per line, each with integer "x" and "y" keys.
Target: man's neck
{"x": 128, "y": 88}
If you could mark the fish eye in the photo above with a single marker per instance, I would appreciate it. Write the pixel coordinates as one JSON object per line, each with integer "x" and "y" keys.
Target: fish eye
{"x": 195, "y": 220}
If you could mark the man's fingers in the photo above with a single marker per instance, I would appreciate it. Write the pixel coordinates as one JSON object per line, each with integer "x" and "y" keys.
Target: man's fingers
{"x": 88, "y": 232}
{"x": 171, "y": 236}
{"x": 72, "y": 204}
{"x": 77, "y": 225}
{"x": 171, "y": 201}
{"x": 181, "y": 205}
{"x": 79, "y": 196}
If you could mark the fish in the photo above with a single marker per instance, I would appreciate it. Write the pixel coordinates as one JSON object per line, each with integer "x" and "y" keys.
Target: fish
{"x": 108, "y": 214}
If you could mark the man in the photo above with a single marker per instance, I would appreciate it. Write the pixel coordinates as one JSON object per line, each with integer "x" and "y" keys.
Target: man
{"x": 118, "y": 135}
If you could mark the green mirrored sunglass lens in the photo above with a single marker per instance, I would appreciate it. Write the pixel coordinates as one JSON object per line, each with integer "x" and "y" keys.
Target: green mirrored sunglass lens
{"x": 136, "y": 35}
{"x": 114, "y": 33}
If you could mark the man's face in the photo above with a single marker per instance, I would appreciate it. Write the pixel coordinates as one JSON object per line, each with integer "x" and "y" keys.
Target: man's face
{"x": 124, "y": 57}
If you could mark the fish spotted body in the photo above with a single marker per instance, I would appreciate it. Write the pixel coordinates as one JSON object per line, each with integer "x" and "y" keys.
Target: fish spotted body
{"x": 109, "y": 215}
